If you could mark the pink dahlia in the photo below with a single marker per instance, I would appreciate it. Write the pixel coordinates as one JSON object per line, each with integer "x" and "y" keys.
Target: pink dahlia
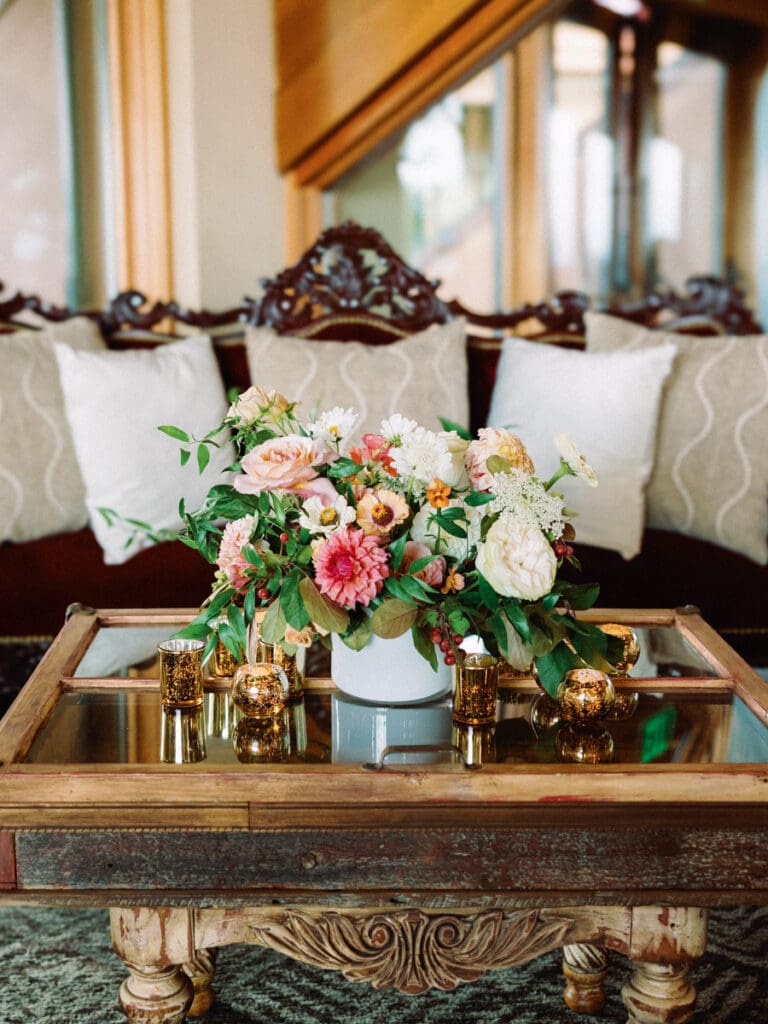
{"x": 230, "y": 557}
{"x": 350, "y": 568}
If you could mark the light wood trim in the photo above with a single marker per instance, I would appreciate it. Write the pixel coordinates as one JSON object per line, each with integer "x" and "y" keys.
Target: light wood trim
{"x": 476, "y": 41}
{"x": 303, "y": 218}
{"x": 139, "y": 98}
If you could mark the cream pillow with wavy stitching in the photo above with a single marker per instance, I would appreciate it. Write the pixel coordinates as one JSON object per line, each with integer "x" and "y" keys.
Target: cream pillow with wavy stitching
{"x": 423, "y": 376}
{"x": 41, "y": 490}
{"x": 711, "y": 474}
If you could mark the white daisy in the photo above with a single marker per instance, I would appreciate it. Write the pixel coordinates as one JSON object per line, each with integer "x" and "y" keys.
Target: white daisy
{"x": 334, "y": 426}
{"x": 397, "y": 428}
{"x": 319, "y": 517}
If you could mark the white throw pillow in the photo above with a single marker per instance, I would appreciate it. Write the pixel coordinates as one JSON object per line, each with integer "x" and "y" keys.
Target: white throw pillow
{"x": 609, "y": 406}
{"x": 423, "y": 376}
{"x": 115, "y": 402}
{"x": 41, "y": 490}
{"x": 711, "y": 474}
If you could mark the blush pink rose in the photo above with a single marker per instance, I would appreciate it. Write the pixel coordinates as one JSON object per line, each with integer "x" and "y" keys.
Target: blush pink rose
{"x": 230, "y": 558}
{"x": 494, "y": 441}
{"x": 432, "y": 574}
{"x": 281, "y": 464}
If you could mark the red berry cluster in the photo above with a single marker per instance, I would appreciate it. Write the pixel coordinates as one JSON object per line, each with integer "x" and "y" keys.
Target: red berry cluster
{"x": 447, "y": 642}
{"x": 561, "y": 549}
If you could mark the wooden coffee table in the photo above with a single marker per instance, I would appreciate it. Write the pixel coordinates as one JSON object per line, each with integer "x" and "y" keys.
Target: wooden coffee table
{"x": 399, "y": 867}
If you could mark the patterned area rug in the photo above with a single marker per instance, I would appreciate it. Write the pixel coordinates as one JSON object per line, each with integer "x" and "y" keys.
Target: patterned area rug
{"x": 57, "y": 968}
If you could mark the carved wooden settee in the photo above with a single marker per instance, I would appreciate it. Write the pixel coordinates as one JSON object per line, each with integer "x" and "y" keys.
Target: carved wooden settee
{"x": 352, "y": 285}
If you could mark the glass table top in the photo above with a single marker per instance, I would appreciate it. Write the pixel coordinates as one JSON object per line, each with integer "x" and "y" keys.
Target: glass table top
{"x": 132, "y": 727}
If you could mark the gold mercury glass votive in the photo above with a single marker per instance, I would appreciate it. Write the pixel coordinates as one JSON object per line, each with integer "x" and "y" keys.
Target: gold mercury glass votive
{"x": 182, "y": 735}
{"x": 474, "y": 691}
{"x": 261, "y": 740}
{"x": 181, "y": 672}
{"x": 292, "y": 664}
{"x": 259, "y": 690}
{"x": 584, "y": 744}
{"x": 585, "y": 695}
{"x": 626, "y": 701}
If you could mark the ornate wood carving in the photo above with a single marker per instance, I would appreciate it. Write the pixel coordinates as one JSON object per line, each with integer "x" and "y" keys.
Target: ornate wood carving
{"x": 411, "y": 950}
{"x": 584, "y": 967}
{"x": 352, "y": 271}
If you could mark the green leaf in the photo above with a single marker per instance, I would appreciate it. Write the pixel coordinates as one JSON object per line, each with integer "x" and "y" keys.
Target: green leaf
{"x": 194, "y": 631}
{"x": 343, "y": 467}
{"x": 175, "y": 432}
{"x": 292, "y": 602}
{"x": 322, "y": 611}
{"x": 497, "y": 464}
{"x": 488, "y": 595}
{"x": 450, "y": 513}
{"x": 463, "y": 433}
{"x": 452, "y": 528}
{"x": 394, "y": 586}
{"x": 477, "y": 498}
{"x": 580, "y": 595}
{"x": 203, "y": 457}
{"x": 184, "y": 454}
{"x": 552, "y": 667}
{"x": 273, "y": 626}
{"x": 396, "y": 550}
{"x": 423, "y": 644}
{"x": 218, "y": 602}
{"x": 516, "y": 616}
{"x": 229, "y": 638}
{"x": 237, "y": 622}
{"x": 393, "y": 618}
{"x": 358, "y": 636}
{"x": 249, "y": 604}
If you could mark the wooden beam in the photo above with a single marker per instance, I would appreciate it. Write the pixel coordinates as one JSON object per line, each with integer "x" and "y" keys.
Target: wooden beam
{"x": 139, "y": 98}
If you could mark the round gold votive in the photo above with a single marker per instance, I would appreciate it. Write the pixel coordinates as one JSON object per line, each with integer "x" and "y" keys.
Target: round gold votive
{"x": 585, "y": 695}
{"x": 584, "y": 744}
{"x": 624, "y": 705}
{"x": 545, "y": 712}
{"x": 261, "y": 740}
{"x": 259, "y": 690}
{"x": 631, "y": 646}
{"x": 181, "y": 672}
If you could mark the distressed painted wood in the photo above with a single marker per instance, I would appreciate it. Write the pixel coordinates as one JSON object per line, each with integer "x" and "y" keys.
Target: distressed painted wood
{"x": 567, "y": 859}
{"x": 7, "y": 861}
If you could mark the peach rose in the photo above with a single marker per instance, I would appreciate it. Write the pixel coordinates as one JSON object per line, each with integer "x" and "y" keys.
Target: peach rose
{"x": 432, "y": 574}
{"x": 281, "y": 464}
{"x": 254, "y": 403}
{"x": 494, "y": 441}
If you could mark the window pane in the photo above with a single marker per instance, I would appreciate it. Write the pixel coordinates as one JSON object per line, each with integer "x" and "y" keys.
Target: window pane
{"x": 683, "y": 166}
{"x": 433, "y": 192}
{"x": 580, "y": 160}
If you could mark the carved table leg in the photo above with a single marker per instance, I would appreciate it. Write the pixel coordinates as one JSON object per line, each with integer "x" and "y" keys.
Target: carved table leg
{"x": 584, "y": 967}
{"x": 153, "y": 995}
{"x": 659, "y": 994}
{"x": 200, "y": 971}
{"x": 154, "y": 943}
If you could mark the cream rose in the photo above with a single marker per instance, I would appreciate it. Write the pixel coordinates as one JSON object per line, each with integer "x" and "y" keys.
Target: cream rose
{"x": 517, "y": 560}
{"x": 255, "y": 403}
{"x": 494, "y": 441}
{"x": 281, "y": 464}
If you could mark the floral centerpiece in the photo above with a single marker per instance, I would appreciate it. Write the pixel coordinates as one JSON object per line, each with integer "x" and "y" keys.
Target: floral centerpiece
{"x": 437, "y": 533}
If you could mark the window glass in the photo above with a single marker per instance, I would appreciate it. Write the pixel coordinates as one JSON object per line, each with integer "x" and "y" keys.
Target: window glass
{"x": 580, "y": 160}
{"x": 434, "y": 192}
{"x": 683, "y": 166}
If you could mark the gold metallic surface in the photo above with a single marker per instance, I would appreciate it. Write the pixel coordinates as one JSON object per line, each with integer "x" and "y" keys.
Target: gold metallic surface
{"x": 584, "y": 744}
{"x": 259, "y": 690}
{"x": 631, "y": 644}
{"x": 474, "y": 692}
{"x": 181, "y": 672}
{"x": 585, "y": 695}
{"x": 182, "y": 735}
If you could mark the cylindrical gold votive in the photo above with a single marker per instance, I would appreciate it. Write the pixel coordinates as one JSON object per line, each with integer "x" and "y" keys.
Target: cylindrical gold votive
{"x": 292, "y": 664}
{"x": 477, "y": 743}
{"x": 182, "y": 735}
{"x": 181, "y": 672}
{"x": 474, "y": 692}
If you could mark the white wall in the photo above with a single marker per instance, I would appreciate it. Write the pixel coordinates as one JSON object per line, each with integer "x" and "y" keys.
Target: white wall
{"x": 228, "y": 204}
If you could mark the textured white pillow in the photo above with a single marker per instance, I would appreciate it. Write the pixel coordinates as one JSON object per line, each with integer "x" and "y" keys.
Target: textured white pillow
{"x": 41, "y": 490}
{"x": 609, "y": 406}
{"x": 711, "y": 474}
{"x": 423, "y": 376}
{"x": 115, "y": 402}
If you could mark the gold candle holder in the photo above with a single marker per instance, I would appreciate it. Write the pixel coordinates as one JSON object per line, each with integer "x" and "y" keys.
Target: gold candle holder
{"x": 259, "y": 690}
{"x": 630, "y": 646}
{"x": 181, "y": 673}
{"x": 474, "y": 692}
{"x": 223, "y": 663}
{"x": 584, "y": 744}
{"x": 477, "y": 743}
{"x": 275, "y": 654}
{"x": 585, "y": 695}
{"x": 261, "y": 740}
{"x": 182, "y": 735}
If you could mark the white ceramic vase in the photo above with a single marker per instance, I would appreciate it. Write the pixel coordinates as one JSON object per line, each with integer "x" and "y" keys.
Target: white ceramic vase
{"x": 388, "y": 672}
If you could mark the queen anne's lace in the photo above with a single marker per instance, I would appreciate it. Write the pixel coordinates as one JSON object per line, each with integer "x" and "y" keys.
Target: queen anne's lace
{"x": 524, "y": 498}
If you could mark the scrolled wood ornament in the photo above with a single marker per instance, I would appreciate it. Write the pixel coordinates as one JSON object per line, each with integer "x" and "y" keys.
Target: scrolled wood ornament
{"x": 411, "y": 950}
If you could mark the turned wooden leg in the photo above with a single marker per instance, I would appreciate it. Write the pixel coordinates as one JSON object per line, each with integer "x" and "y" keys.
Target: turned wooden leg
{"x": 659, "y": 994}
{"x": 200, "y": 971}
{"x": 155, "y": 995}
{"x": 584, "y": 967}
